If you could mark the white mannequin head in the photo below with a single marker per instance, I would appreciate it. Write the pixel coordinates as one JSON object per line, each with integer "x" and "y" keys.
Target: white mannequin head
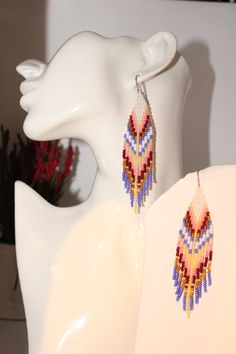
{"x": 90, "y": 77}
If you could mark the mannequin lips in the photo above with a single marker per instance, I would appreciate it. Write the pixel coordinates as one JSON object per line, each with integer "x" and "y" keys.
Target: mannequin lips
{"x": 27, "y": 86}
{"x": 27, "y": 100}
{"x": 31, "y": 70}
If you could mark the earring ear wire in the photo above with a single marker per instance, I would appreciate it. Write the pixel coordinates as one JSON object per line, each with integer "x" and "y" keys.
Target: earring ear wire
{"x": 198, "y": 178}
{"x": 140, "y": 86}
{"x": 136, "y": 82}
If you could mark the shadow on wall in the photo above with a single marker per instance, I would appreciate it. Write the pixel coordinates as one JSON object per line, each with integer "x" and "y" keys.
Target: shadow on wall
{"x": 22, "y": 36}
{"x": 196, "y": 124}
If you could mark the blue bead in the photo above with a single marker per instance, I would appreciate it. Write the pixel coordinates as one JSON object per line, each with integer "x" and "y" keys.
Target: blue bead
{"x": 176, "y": 282}
{"x": 196, "y": 297}
{"x": 177, "y": 290}
{"x": 184, "y": 303}
{"x": 174, "y": 274}
{"x": 191, "y": 302}
{"x": 205, "y": 284}
{"x": 209, "y": 278}
{"x": 179, "y": 295}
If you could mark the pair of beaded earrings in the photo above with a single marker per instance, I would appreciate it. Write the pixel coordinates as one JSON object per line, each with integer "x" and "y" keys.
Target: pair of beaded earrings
{"x": 193, "y": 258}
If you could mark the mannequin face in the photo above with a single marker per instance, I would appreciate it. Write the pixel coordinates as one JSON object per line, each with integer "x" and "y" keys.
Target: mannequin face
{"x": 88, "y": 78}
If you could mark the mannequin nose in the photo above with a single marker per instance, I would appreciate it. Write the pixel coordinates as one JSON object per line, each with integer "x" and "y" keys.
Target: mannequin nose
{"x": 31, "y": 68}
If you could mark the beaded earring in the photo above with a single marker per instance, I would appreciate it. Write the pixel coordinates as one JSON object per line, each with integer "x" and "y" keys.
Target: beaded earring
{"x": 192, "y": 268}
{"x": 139, "y": 151}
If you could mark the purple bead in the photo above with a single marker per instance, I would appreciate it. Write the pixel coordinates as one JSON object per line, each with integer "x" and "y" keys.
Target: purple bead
{"x": 191, "y": 302}
{"x": 123, "y": 175}
{"x": 176, "y": 281}
{"x": 184, "y": 303}
{"x": 205, "y": 284}
{"x": 196, "y": 296}
{"x": 209, "y": 278}
{"x": 174, "y": 274}
{"x": 132, "y": 199}
{"x": 177, "y": 289}
{"x": 179, "y": 294}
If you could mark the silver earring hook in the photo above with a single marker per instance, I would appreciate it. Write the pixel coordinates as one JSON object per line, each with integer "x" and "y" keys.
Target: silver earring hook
{"x": 198, "y": 178}
{"x": 137, "y": 84}
{"x": 140, "y": 86}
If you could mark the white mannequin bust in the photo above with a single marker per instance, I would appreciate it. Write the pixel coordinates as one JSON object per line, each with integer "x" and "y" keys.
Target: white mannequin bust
{"x": 82, "y": 291}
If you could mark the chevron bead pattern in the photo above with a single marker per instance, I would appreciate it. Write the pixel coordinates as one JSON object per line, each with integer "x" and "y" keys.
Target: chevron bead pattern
{"x": 192, "y": 268}
{"x": 139, "y": 154}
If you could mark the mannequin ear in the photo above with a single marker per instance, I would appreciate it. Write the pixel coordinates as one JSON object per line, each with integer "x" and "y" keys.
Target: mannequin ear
{"x": 159, "y": 51}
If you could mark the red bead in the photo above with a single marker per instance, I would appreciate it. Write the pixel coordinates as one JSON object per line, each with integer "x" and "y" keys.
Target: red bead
{"x": 210, "y": 255}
